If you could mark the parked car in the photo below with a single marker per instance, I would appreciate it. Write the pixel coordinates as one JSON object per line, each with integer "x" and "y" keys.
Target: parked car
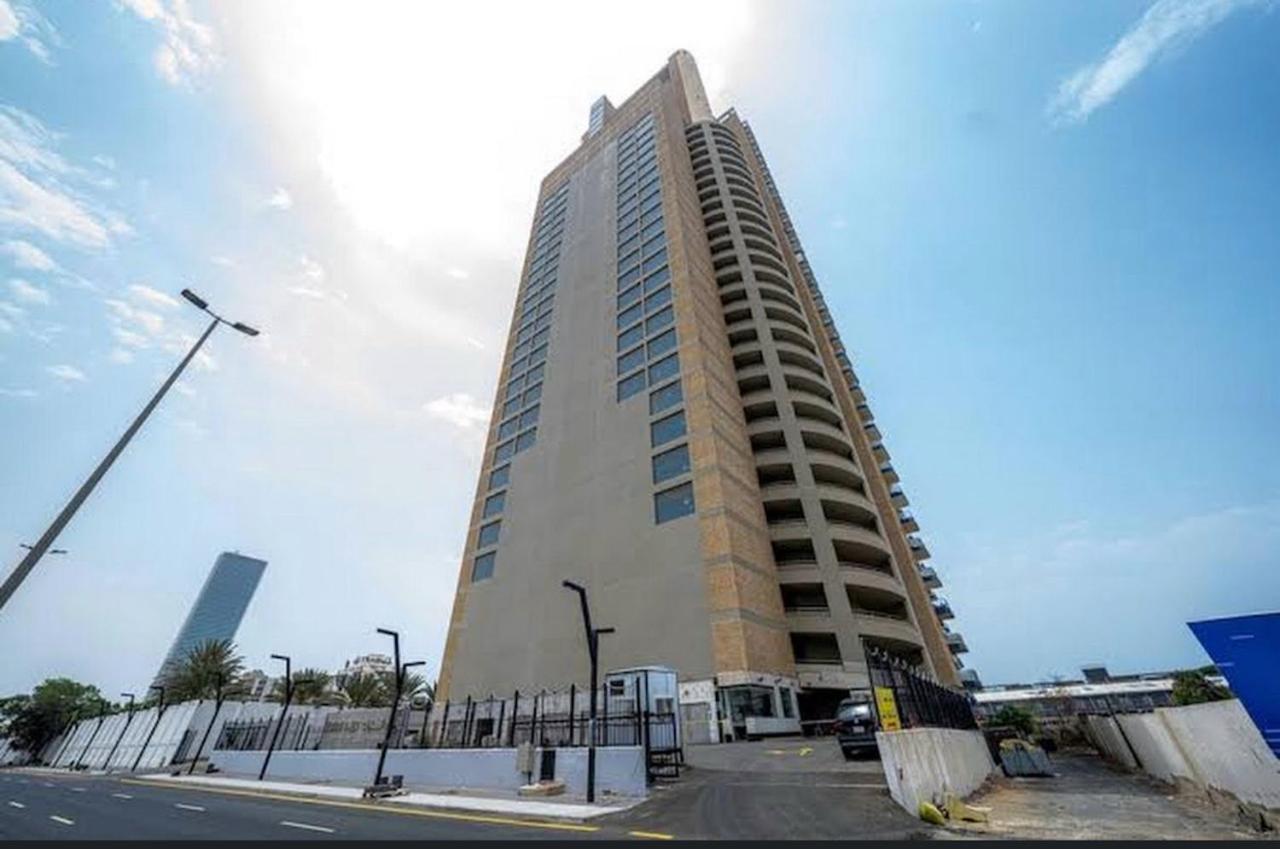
{"x": 855, "y": 728}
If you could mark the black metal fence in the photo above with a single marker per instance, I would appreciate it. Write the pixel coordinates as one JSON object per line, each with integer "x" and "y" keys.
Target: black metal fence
{"x": 920, "y": 701}
{"x": 254, "y": 735}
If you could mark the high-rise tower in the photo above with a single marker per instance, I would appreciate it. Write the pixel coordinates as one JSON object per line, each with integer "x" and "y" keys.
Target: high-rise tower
{"x": 678, "y": 428}
{"x": 218, "y": 609}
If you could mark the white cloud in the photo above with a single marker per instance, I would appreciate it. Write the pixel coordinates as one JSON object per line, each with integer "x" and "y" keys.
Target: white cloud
{"x": 306, "y": 292}
{"x": 27, "y": 256}
{"x": 457, "y": 273}
{"x": 310, "y": 268}
{"x": 142, "y": 292}
{"x": 189, "y": 47}
{"x": 123, "y": 311}
{"x": 17, "y": 393}
{"x": 12, "y": 310}
{"x": 183, "y": 388}
{"x": 67, "y": 373}
{"x": 460, "y": 410}
{"x": 38, "y": 190}
{"x": 1165, "y": 25}
{"x": 29, "y": 294}
{"x": 120, "y": 356}
{"x": 223, "y": 261}
{"x": 23, "y": 22}
{"x": 130, "y": 338}
{"x": 280, "y": 199}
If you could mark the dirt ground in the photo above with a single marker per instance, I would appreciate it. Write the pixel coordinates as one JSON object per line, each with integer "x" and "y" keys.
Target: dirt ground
{"x": 1090, "y": 800}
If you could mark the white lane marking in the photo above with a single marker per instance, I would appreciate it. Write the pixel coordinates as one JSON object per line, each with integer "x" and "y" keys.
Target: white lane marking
{"x": 122, "y": 795}
{"x": 62, "y": 820}
{"x": 16, "y": 805}
{"x": 188, "y": 807}
{"x": 307, "y": 827}
{"x": 47, "y": 783}
{"x": 77, "y": 789}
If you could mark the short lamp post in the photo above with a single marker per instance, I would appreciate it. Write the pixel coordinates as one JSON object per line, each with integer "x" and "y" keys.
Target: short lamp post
{"x": 160, "y": 705}
{"x": 217, "y": 708}
{"x": 102, "y": 712}
{"x": 123, "y": 731}
{"x": 593, "y": 651}
{"x": 284, "y": 711}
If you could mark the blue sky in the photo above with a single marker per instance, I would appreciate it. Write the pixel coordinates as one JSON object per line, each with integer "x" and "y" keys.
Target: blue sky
{"x": 1047, "y": 231}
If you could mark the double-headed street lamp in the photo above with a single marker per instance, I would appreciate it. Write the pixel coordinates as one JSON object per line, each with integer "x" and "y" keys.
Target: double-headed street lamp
{"x": 399, "y": 673}
{"x": 43, "y": 545}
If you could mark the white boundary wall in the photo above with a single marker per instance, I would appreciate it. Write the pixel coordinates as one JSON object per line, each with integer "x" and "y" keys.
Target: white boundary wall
{"x": 1214, "y": 746}
{"x": 925, "y": 764}
{"x": 620, "y": 770}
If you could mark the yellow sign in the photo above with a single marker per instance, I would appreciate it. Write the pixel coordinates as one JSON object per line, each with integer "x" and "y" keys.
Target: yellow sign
{"x": 887, "y": 707}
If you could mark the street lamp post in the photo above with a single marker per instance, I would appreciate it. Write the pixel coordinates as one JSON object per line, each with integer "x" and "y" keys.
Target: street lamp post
{"x": 42, "y": 546}
{"x": 288, "y": 697}
{"x": 217, "y": 708}
{"x": 123, "y": 731}
{"x": 102, "y": 712}
{"x": 395, "y": 699}
{"x": 159, "y": 716}
{"x": 593, "y": 651}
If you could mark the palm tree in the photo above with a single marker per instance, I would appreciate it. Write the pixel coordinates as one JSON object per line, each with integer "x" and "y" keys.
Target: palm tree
{"x": 366, "y": 690}
{"x": 310, "y": 687}
{"x": 197, "y": 675}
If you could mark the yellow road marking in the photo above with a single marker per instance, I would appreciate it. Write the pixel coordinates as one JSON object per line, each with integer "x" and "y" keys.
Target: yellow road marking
{"x": 307, "y": 800}
{"x": 652, "y": 835}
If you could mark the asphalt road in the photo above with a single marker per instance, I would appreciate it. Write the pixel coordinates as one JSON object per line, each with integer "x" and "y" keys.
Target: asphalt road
{"x": 37, "y": 806}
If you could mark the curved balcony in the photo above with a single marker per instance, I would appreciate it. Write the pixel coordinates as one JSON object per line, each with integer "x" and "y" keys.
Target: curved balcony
{"x": 869, "y": 577}
{"x": 835, "y": 468}
{"x": 890, "y": 629}
{"x": 863, "y": 544}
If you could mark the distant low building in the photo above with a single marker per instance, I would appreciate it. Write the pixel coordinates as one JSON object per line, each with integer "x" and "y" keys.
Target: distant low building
{"x": 1098, "y": 692}
{"x": 256, "y": 686}
{"x": 365, "y": 664}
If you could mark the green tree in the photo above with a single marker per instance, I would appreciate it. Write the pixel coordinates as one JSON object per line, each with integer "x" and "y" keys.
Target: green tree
{"x": 197, "y": 675}
{"x": 310, "y": 687}
{"x": 32, "y": 721}
{"x": 366, "y": 690}
{"x": 1193, "y": 687}
{"x": 1015, "y": 716}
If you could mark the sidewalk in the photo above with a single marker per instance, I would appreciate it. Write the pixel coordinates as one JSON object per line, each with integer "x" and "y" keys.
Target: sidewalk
{"x": 495, "y": 804}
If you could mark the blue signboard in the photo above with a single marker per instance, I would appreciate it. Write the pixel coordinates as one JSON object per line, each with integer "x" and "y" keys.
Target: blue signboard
{"x": 1246, "y": 650}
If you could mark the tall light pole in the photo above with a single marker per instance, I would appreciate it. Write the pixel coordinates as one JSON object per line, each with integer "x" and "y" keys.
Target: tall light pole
{"x": 42, "y": 546}
{"x": 102, "y": 713}
{"x": 116, "y": 745}
{"x": 217, "y": 708}
{"x": 593, "y": 651}
{"x": 288, "y": 697}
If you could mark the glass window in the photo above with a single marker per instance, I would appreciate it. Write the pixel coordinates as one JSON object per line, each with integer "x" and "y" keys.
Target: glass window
{"x": 662, "y": 343}
{"x": 489, "y": 534}
{"x": 659, "y": 320}
{"x": 629, "y": 245}
{"x": 629, "y": 297}
{"x": 665, "y": 430}
{"x": 499, "y": 477}
{"x": 630, "y": 386}
{"x": 655, "y": 262}
{"x": 482, "y": 567}
{"x": 539, "y": 354}
{"x": 503, "y": 452}
{"x": 507, "y": 428}
{"x": 629, "y": 231}
{"x": 627, "y": 278}
{"x": 511, "y": 407}
{"x": 535, "y": 373}
{"x": 673, "y": 503}
{"x": 659, "y": 278}
{"x": 529, "y": 418}
{"x": 630, "y": 360}
{"x": 667, "y": 465}
{"x": 630, "y": 259}
{"x": 494, "y": 504}
{"x": 533, "y": 393}
{"x": 664, "y": 398}
{"x": 526, "y": 439}
{"x": 658, "y": 298}
{"x": 540, "y": 337}
{"x": 630, "y": 337}
{"x": 629, "y": 316}
{"x": 652, "y": 227}
{"x": 669, "y": 367}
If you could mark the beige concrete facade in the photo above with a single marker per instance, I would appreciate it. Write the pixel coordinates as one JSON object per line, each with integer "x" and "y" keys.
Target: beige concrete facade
{"x": 794, "y": 554}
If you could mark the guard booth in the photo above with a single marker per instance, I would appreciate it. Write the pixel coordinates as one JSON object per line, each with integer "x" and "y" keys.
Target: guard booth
{"x": 642, "y": 704}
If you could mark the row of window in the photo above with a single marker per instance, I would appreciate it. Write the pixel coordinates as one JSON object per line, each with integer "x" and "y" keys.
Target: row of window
{"x": 521, "y": 396}
{"x": 646, "y": 333}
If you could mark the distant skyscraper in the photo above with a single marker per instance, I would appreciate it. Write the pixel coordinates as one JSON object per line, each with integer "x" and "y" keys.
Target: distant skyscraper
{"x": 679, "y": 428}
{"x": 219, "y": 608}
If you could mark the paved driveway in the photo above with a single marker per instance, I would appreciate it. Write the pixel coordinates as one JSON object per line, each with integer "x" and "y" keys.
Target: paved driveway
{"x": 773, "y": 790}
